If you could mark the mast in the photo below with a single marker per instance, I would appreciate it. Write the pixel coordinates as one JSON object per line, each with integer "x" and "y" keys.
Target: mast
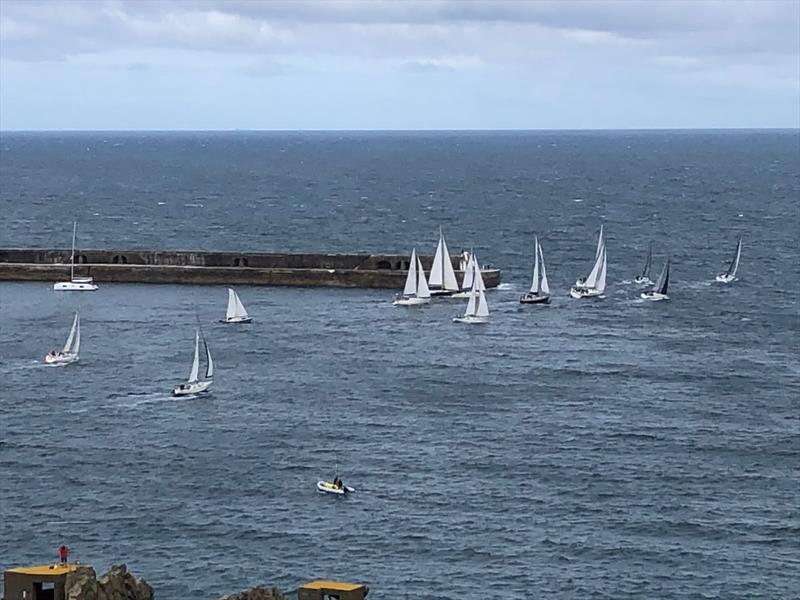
{"x": 648, "y": 262}
{"x": 535, "y": 284}
{"x": 72, "y": 254}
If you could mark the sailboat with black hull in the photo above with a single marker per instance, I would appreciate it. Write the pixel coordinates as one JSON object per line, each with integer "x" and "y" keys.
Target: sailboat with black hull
{"x": 659, "y": 291}
{"x": 540, "y": 289}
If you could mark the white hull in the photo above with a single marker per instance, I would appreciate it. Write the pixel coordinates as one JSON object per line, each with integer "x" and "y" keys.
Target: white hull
{"x": 191, "y": 388}
{"x": 653, "y": 296}
{"x": 328, "y": 488}
{"x": 642, "y": 281}
{"x": 470, "y": 320}
{"x": 237, "y": 320}
{"x": 724, "y": 278}
{"x": 411, "y": 301}
{"x": 580, "y": 293}
{"x": 64, "y": 359}
{"x": 461, "y": 294}
{"x": 74, "y": 286}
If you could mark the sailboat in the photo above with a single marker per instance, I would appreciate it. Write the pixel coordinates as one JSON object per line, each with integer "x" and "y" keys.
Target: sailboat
{"x": 471, "y": 271}
{"x": 644, "y": 278}
{"x": 540, "y": 290}
{"x": 442, "y": 280}
{"x": 416, "y": 290}
{"x": 477, "y": 308}
{"x": 659, "y": 291}
{"x": 594, "y": 285}
{"x": 194, "y": 385}
{"x": 69, "y": 354}
{"x": 729, "y": 276}
{"x": 236, "y": 312}
{"x": 75, "y": 284}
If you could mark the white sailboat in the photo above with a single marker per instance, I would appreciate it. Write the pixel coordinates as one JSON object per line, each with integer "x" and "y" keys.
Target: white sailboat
{"x": 70, "y": 352}
{"x": 540, "y": 289}
{"x": 729, "y": 276}
{"x": 471, "y": 272}
{"x": 236, "y": 312}
{"x": 195, "y": 385}
{"x": 442, "y": 280}
{"x": 477, "y": 308}
{"x": 659, "y": 291}
{"x": 75, "y": 284}
{"x": 644, "y": 278}
{"x": 594, "y": 285}
{"x": 416, "y": 290}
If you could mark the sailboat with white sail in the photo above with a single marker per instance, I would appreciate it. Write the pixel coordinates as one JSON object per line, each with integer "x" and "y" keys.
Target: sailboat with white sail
{"x": 471, "y": 272}
{"x": 416, "y": 290}
{"x": 75, "y": 284}
{"x": 594, "y": 285}
{"x": 729, "y": 276}
{"x": 659, "y": 291}
{"x": 195, "y": 385}
{"x": 236, "y": 312}
{"x": 442, "y": 280}
{"x": 540, "y": 289}
{"x": 70, "y": 353}
{"x": 477, "y": 308}
{"x": 644, "y": 278}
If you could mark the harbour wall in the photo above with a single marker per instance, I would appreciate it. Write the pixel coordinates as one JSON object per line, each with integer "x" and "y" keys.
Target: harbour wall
{"x": 223, "y": 268}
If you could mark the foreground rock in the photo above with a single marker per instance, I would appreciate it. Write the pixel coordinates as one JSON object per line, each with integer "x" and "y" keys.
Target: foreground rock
{"x": 257, "y": 593}
{"x": 117, "y": 584}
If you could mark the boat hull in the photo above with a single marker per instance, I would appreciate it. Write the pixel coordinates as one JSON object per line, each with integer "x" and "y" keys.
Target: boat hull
{"x": 325, "y": 487}
{"x": 461, "y": 294}
{"x": 530, "y": 298}
{"x": 653, "y": 296}
{"x": 442, "y": 292}
{"x": 470, "y": 320}
{"x": 411, "y": 301}
{"x": 64, "y": 359}
{"x": 583, "y": 293}
{"x": 237, "y": 320}
{"x": 190, "y": 389}
{"x": 74, "y": 286}
{"x": 725, "y": 278}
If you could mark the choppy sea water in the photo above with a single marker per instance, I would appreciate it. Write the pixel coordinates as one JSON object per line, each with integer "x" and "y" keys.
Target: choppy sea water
{"x": 586, "y": 449}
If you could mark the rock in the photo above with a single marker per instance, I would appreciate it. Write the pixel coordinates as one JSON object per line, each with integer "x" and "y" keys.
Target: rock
{"x": 117, "y": 584}
{"x": 257, "y": 593}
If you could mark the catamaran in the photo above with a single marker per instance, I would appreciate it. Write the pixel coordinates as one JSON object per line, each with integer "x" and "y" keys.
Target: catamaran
{"x": 236, "y": 312}
{"x": 416, "y": 290}
{"x": 644, "y": 278}
{"x": 477, "y": 308}
{"x": 471, "y": 271}
{"x": 442, "y": 280}
{"x": 540, "y": 290}
{"x": 729, "y": 276}
{"x": 194, "y": 385}
{"x": 659, "y": 291}
{"x": 75, "y": 284}
{"x": 69, "y": 354}
{"x": 594, "y": 285}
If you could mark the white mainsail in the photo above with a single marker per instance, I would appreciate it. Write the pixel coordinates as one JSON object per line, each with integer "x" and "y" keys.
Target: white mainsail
{"x": 600, "y": 242}
{"x": 482, "y": 309}
{"x": 468, "y": 274}
{"x": 196, "y": 363}
{"x": 735, "y": 262}
{"x": 473, "y": 302}
{"x": 235, "y": 307}
{"x": 535, "y": 284}
{"x": 442, "y": 274}
{"x": 422, "y": 284}
{"x": 478, "y": 277}
{"x": 600, "y": 283}
{"x": 411, "y": 279}
{"x": 73, "y": 344}
{"x": 545, "y": 287}
{"x": 591, "y": 280}
{"x": 210, "y": 366}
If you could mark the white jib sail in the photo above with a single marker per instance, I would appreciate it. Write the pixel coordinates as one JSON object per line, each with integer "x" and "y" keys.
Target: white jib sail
{"x": 482, "y": 309}
{"x": 545, "y": 288}
{"x": 535, "y": 284}
{"x": 76, "y": 345}
{"x": 71, "y": 336}
{"x": 210, "y": 367}
{"x": 450, "y": 282}
{"x": 591, "y": 280}
{"x": 411, "y": 279}
{"x": 600, "y": 284}
{"x": 735, "y": 263}
{"x": 473, "y": 302}
{"x": 235, "y": 307}
{"x": 436, "y": 276}
{"x": 468, "y": 275}
{"x": 477, "y": 274}
{"x": 196, "y": 363}
{"x": 422, "y": 285}
{"x": 600, "y": 242}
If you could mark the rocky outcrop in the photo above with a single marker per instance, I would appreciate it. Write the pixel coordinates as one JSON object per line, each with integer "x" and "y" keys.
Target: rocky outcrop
{"x": 257, "y": 593}
{"x": 117, "y": 584}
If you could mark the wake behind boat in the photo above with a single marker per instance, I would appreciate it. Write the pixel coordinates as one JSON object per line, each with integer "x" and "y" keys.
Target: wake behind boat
{"x": 540, "y": 290}
{"x": 70, "y": 353}
{"x": 75, "y": 284}
{"x": 416, "y": 290}
{"x": 236, "y": 312}
{"x": 593, "y": 286}
{"x": 729, "y": 276}
{"x": 659, "y": 291}
{"x": 194, "y": 385}
{"x": 442, "y": 280}
{"x": 644, "y": 278}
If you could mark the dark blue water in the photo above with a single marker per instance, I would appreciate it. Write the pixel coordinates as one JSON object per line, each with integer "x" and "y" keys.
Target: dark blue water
{"x": 586, "y": 449}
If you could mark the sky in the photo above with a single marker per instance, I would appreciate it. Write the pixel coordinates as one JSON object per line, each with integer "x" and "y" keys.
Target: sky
{"x": 367, "y": 65}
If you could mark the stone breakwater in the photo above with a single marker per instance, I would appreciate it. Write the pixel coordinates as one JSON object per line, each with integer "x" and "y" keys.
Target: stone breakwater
{"x": 117, "y": 584}
{"x": 218, "y": 268}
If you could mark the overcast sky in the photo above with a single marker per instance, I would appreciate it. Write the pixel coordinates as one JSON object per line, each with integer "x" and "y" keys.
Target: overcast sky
{"x": 434, "y": 64}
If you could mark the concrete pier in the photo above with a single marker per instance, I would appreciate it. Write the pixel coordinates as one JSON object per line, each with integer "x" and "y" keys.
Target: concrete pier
{"x": 223, "y": 268}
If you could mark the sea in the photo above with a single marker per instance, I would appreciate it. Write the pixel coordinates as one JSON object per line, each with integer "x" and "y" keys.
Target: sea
{"x": 613, "y": 448}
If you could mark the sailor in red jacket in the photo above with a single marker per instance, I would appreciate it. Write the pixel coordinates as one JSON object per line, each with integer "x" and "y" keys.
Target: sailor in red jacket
{"x": 63, "y": 554}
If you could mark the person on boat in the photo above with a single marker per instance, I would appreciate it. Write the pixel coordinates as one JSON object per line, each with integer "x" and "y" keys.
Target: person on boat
{"x": 337, "y": 483}
{"x": 63, "y": 554}
{"x": 51, "y": 354}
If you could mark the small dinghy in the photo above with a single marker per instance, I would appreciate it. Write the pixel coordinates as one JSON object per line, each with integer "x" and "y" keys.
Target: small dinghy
{"x": 70, "y": 353}
{"x": 75, "y": 284}
{"x": 236, "y": 312}
{"x": 477, "y": 308}
{"x": 327, "y": 487}
{"x": 442, "y": 280}
{"x": 659, "y": 291}
{"x": 194, "y": 385}
{"x": 472, "y": 270}
{"x": 729, "y": 276}
{"x": 416, "y": 290}
{"x": 540, "y": 290}
{"x": 644, "y": 278}
{"x": 593, "y": 286}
